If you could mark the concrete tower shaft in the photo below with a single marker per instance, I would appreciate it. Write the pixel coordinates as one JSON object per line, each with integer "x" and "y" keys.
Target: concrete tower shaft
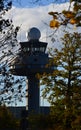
{"x": 31, "y": 60}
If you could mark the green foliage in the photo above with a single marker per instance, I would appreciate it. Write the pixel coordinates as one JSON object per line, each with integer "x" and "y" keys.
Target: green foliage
{"x": 63, "y": 87}
{"x": 40, "y": 122}
{"x": 7, "y": 120}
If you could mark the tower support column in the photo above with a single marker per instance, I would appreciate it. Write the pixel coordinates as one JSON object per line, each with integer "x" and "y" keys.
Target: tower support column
{"x": 33, "y": 94}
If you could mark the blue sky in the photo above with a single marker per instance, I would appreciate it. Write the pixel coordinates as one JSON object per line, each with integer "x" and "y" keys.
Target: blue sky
{"x": 34, "y": 3}
{"x": 24, "y": 15}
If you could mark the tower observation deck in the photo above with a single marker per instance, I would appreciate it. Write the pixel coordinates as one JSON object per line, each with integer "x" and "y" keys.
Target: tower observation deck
{"x": 31, "y": 60}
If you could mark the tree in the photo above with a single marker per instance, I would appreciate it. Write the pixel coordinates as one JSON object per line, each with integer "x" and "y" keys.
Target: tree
{"x": 40, "y": 122}
{"x": 63, "y": 87}
{"x": 10, "y": 86}
{"x": 8, "y": 51}
{"x": 7, "y": 120}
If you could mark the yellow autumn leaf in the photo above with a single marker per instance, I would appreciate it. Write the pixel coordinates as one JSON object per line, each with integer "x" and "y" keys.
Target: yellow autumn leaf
{"x": 54, "y": 24}
{"x": 77, "y": 7}
{"x": 55, "y": 16}
{"x": 73, "y": 21}
{"x": 68, "y": 14}
{"x": 51, "y": 13}
{"x": 38, "y": 76}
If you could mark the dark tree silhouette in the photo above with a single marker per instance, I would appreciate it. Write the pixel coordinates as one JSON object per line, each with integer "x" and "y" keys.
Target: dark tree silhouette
{"x": 10, "y": 86}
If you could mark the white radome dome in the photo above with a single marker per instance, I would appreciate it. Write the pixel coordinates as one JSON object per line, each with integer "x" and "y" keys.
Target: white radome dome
{"x": 33, "y": 34}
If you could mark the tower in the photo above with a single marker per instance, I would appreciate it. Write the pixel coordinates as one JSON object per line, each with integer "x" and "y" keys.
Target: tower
{"x": 31, "y": 60}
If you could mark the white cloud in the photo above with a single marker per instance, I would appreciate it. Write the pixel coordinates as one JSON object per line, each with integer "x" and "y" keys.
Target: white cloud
{"x": 38, "y": 17}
